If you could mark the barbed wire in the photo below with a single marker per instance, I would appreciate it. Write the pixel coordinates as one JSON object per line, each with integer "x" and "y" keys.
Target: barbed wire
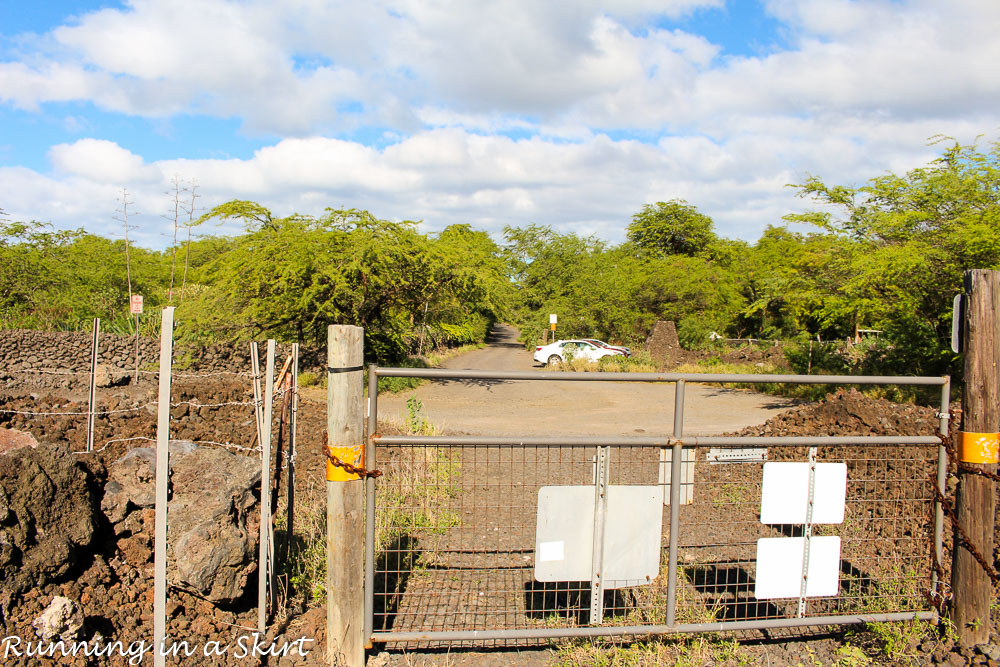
{"x": 73, "y": 414}
{"x": 46, "y": 371}
{"x": 209, "y": 405}
{"x": 122, "y": 410}
{"x": 201, "y": 375}
{"x": 227, "y": 445}
{"x": 111, "y": 442}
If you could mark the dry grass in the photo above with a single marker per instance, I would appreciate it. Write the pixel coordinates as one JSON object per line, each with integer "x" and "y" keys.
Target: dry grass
{"x": 639, "y": 362}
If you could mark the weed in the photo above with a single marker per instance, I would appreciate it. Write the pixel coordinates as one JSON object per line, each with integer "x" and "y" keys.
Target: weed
{"x": 730, "y": 494}
{"x": 640, "y": 362}
{"x": 305, "y": 567}
{"x": 416, "y": 423}
{"x": 308, "y": 379}
{"x": 414, "y": 491}
{"x": 850, "y": 655}
{"x": 692, "y": 651}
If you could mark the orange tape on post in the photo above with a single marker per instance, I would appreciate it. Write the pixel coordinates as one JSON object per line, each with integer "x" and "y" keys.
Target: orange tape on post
{"x": 978, "y": 447}
{"x": 352, "y": 455}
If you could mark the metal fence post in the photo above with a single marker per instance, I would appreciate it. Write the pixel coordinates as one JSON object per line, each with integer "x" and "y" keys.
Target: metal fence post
{"x": 944, "y": 417}
{"x": 292, "y": 424}
{"x": 975, "y": 500}
{"x": 675, "y": 502}
{"x": 162, "y": 481}
{"x": 597, "y": 578}
{"x": 263, "y": 562}
{"x": 91, "y": 417}
{"x": 345, "y": 497}
{"x": 370, "y": 505}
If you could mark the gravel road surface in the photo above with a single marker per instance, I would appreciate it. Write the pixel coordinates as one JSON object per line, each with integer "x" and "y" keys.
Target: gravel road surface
{"x": 529, "y": 407}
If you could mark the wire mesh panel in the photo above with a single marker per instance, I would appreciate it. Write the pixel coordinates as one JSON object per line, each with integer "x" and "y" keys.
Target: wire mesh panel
{"x": 455, "y": 538}
{"x": 457, "y": 534}
{"x": 885, "y": 537}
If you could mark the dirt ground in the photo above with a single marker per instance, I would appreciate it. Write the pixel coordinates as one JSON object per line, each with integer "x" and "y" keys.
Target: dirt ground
{"x": 481, "y": 504}
{"x": 572, "y": 408}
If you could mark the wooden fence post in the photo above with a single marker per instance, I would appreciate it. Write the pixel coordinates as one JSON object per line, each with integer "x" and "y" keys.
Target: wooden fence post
{"x": 345, "y": 497}
{"x": 975, "y": 503}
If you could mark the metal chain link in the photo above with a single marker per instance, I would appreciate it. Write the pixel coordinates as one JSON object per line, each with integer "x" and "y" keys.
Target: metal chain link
{"x": 947, "y": 505}
{"x": 354, "y": 470}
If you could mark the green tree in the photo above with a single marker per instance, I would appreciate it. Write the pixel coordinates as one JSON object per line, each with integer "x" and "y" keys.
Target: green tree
{"x": 291, "y": 277}
{"x": 907, "y": 241}
{"x": 671, "y": 228}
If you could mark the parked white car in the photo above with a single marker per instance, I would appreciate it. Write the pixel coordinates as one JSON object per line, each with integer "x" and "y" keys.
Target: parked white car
{"x": 600, "y": 343}
{"x": 563, "y": 350}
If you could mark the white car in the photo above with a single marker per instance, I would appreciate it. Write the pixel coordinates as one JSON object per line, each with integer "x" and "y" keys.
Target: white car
{"x": 600, "y": 343}
{"x": 563, "y": 350}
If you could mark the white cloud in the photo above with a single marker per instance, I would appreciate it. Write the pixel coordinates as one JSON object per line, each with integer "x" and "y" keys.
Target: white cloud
{"x": 447, "y": 176}
{"x": 101, "y": 161}
{"x": 858, "y": 92}
{"x": 289, "y": 68}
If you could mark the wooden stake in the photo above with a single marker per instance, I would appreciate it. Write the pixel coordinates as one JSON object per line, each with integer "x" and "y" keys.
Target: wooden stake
{"x": 345, "y": 500}
{"x": 975, "y": 503}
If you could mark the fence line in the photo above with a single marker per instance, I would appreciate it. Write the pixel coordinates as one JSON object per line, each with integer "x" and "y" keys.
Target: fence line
{"x": 286, "y": 391}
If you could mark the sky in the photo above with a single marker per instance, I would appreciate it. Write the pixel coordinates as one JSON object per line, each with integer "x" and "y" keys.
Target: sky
{"x": 504, "y": 112}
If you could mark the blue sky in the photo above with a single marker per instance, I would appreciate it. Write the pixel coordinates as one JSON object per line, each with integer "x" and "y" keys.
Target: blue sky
{"x": 490, "y": 113}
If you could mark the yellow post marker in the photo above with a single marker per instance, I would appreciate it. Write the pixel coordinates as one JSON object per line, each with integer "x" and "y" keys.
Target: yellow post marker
{"x": 978, "y": 447}
{"x": 352, "y": 455}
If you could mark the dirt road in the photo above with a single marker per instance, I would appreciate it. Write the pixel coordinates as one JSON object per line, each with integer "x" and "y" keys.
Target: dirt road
{"x": 577, "y": 408}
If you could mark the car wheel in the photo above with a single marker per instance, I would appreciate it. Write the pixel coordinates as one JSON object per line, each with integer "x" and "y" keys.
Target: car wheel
{"x": 554, "y": 359}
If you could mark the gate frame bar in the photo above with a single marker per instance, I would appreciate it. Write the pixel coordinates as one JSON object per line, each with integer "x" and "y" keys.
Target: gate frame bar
{"x": 677, "y": 442}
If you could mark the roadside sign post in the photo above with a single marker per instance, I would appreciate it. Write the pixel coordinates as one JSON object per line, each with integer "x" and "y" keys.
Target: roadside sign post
{"x": 552, "y": 326}
{"x": 135, "y": 307}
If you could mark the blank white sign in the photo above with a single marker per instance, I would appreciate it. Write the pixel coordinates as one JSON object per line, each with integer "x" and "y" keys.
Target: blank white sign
{"x": 785, "y": 495}
{"x": 564, "y": 534}
{"x": 779, "y": 567}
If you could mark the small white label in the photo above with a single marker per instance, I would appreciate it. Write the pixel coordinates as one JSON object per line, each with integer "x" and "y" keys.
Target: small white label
{"x": 552, "y": 318}
{"x": 551, "y": 551}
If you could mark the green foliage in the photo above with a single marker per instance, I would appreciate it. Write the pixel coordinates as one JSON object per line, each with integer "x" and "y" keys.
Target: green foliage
{"x": 671, "y": 228}
{"x": 63, "y": 279}
{"x": 291, "y": 277}
{"x": 904, "y": 243}
{"x": 610, "y": 293}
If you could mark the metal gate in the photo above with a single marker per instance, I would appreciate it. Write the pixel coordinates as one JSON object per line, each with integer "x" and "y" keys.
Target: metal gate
{"x": 455, "y": 551}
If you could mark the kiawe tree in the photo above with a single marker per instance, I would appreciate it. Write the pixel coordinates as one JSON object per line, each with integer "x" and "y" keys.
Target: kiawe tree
{"x": 907, "y": 241}
{"x": 671, "y": 228}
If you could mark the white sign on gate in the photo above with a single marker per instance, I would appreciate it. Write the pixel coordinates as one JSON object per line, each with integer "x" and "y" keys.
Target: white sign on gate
{"x": 785, "y": 494}
{"x": 779, "y": 567}
{"x": 564, "y": 534}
